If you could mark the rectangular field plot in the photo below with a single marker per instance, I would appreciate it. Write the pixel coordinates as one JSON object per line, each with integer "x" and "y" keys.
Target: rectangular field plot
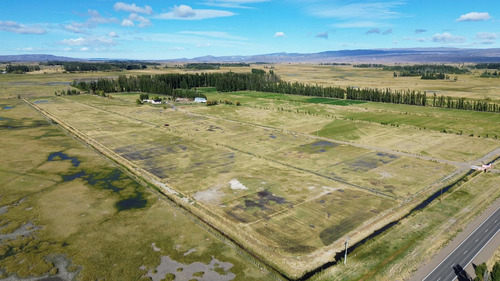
{"x": 417, "y": 130}
{"x": 287, "y": 196}
{"x": 321, "y": 221}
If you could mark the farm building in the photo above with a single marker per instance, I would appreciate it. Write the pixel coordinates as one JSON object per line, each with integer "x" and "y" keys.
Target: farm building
{"x": 152, "y": 101}
{"x": 181, "y": 100}
{"x": 200, "y": 100}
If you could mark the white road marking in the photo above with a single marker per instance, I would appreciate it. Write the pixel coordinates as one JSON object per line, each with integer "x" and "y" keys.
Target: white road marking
{"x": 463, "y": 242}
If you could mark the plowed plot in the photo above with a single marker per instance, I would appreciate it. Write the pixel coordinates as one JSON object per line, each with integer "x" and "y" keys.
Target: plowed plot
{"x": 289, "y": 198}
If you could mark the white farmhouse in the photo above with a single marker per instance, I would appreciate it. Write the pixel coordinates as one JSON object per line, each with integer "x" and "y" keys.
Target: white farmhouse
{"x": 200, "y": 100}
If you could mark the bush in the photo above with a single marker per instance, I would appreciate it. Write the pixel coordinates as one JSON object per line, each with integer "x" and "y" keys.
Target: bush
{"x": 495, "y": 272}
{"x": 212, "y": 102}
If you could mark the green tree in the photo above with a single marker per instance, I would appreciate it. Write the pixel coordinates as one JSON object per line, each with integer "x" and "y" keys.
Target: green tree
{"x": 495, "y": 272}
{"x": 480, "y": 270}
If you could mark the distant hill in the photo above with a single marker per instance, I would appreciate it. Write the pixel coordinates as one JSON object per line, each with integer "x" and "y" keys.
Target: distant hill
{"x": 427, "y": 55}
{"x": 36, "y": 58}
{"x": 409, "y": 55}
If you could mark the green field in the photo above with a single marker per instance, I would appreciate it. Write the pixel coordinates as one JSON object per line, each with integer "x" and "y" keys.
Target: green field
{"x": 287, "y": 178}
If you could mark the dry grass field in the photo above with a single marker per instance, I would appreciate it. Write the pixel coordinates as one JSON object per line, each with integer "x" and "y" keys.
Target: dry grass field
{"x": 287, "y": 182}
{"x": 63, "y": 203}
{"x": 288, "y": 178}
{"x": 467, "y": 85}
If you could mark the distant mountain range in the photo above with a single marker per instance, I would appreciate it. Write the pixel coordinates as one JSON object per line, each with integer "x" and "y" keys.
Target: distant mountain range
{"x": 36, "y": 58}
{"x": 415, "y": 55}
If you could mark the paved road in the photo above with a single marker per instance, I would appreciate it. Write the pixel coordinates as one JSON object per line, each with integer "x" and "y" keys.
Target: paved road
{"x": 452, "y": 266}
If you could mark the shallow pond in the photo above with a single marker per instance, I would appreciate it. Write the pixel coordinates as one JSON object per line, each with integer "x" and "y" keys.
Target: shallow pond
{"x": 105, "y": 180}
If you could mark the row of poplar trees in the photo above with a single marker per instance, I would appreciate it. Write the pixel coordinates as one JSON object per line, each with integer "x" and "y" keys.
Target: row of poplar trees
{"x": 165, "y": 84}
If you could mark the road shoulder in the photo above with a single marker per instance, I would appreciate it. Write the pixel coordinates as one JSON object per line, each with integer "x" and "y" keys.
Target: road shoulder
{"x": 483, "y": 256}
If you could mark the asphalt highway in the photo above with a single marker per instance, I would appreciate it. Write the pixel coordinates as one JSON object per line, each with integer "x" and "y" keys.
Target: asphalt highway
{"x": 453, "y": 265}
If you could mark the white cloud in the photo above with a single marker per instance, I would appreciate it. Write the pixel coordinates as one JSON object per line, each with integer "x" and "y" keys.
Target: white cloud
{"x": 84, "y": 49}
{"x": 232, "y": 3}
{"x": 89, "y": 41}
{"x": 143, "y": 22}
{"x": 357, "y": 11}
{"x": 474, "y": 16}
{"x": 78, "y": 28}
{"x": 447, "y": 38}
{"x": 486, "y": 37}
{"x": 127, "y": 22}
{"x": 279, "y": 34}
{"x": 74, "y": 41}
{"x": 12, "y": 26}
{"x": 215, "y": 34}
{"x": 113, "y": 34}
{"x": 184, "y": 12}
{"x": 96, "y": 18}
{"x": 132, "y": 8}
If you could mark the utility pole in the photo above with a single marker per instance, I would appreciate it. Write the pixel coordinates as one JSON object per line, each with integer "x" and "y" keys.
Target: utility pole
{"x": 345, "y": 255}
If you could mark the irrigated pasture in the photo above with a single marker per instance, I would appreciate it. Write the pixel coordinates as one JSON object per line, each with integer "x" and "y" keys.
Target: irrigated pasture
{"x": 283, "y": 182}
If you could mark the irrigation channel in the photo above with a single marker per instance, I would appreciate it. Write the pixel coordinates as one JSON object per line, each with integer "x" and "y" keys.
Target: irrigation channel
{"x": 277, "y": 274}
{"x": 425, "y": 203}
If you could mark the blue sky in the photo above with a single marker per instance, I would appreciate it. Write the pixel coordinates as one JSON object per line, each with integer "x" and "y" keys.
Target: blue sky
{"x": 175, "y": 29}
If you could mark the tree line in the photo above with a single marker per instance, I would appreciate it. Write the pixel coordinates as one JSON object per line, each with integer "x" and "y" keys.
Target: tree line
{"x": 165, "y": 84}
{"x": 424, "y": 69}
{"x": 21, "y": 69}
{"x": 100, "y": 66}
{"x": 208, "y": 66}
{"x": 492, "y": 74}
{"x": 368, "y": 65}
{"x": 488, "y": 65}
